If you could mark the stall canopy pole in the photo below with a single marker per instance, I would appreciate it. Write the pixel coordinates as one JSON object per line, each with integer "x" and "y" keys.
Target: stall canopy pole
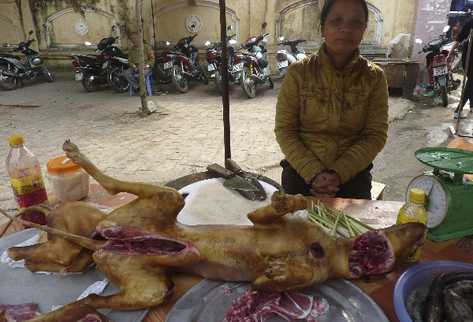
{"x": 224, "y": 72}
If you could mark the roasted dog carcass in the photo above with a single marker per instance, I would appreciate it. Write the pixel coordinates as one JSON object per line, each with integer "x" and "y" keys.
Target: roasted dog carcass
{"x": 141, "y": 244}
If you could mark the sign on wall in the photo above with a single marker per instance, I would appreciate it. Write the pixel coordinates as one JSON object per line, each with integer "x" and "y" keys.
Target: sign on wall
{"x": 81, "y": 27}
{"x": 193, "y": 24}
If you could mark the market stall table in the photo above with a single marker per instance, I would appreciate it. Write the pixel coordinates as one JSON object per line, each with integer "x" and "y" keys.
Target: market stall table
{"x": 375, "y": 213}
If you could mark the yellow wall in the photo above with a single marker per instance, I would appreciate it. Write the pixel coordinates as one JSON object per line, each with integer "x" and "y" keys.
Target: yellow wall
{"x": 169, "y": 22}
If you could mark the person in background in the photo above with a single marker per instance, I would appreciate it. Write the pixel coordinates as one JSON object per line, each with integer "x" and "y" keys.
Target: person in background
{"x": 332, "y": 111}
{"x": 132, "y": 74}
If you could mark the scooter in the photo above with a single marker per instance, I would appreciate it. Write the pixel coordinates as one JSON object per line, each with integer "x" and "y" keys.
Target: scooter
{"x": 13, "y": 71}
{"x": 285, "y": 58}
{"x": 214, "y": 62}
{"x": 104, "y": 69}
{"x": 255, "y": 65}
{"x": 183, "y": 63}
{"x": 439, "y": 72}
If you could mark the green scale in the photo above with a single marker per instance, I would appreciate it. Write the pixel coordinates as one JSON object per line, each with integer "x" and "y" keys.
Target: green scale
{"x": 450, "y": 196}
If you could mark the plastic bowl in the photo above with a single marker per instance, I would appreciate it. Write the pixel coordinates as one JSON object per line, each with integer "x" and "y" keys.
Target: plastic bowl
{"x": 421, "y": 276}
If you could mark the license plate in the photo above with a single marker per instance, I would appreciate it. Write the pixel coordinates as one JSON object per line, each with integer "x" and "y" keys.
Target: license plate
{"x": 211, "y": 67}
{"x": 238, "y": 67}
{"x": 167, "y": 65}
{"x": 78, "y": 76}
{"x": 439, "y": 71}
{"x": 283, "y": 64}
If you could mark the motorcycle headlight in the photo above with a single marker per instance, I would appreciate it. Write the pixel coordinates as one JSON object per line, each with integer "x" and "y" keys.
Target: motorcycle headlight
{"x": 36, "y": 61}
{"x": 105, "y": 65}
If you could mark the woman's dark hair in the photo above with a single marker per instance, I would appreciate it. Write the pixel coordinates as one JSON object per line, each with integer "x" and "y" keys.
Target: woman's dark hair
{"x": 328, "y": 6}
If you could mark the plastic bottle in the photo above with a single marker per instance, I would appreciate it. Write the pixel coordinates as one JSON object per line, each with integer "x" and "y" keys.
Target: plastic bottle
{"x": 25, "y": 174}
{"x": 414, "y": 211}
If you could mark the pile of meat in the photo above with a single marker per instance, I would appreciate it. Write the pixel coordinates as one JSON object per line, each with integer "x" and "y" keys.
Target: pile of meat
{"x": 25, "y": 312}
{"x": 257, "y": 306}
{"x": 18, "y": 313}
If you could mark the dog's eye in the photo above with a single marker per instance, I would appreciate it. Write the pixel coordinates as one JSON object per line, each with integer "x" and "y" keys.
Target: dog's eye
{"x": 317, "y": 250}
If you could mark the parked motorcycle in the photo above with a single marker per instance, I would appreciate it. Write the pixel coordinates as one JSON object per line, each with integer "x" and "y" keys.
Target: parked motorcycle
{"x": 103, "y": 69}
{"x": 13, "y": 70}
{"x": 439, "y": 71}
{"x": 285, "y": 58}
{"x": 214, "y": 62}
{"x": 255, "y": 65}
{"x": 182, "y": 63}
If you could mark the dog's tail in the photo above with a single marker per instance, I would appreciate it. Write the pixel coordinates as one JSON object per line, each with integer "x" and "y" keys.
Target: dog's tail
{"x": 85, "y": 242}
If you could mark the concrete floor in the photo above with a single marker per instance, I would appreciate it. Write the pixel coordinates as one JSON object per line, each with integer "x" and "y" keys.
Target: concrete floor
{"x": 187, "y": 133}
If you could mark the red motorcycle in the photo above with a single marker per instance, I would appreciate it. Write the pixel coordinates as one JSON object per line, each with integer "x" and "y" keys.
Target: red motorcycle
{"x": 439, "y": 71}
{"x": 180, "y": 65}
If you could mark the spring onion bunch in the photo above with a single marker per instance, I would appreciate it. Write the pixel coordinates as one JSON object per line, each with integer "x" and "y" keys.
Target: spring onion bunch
{"x": 336, "y": 222}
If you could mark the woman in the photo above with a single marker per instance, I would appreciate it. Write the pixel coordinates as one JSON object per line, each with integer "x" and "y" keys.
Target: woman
{"x": 332, "y": 111}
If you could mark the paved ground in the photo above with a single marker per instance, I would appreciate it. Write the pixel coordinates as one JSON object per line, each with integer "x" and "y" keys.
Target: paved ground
{"x": 187, "y": 134}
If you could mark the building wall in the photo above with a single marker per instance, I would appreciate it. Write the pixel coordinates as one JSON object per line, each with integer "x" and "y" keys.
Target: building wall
{"x": 11, "y": 29}
{"x": 64, "y": 25}
{"x": 431, "y": 19}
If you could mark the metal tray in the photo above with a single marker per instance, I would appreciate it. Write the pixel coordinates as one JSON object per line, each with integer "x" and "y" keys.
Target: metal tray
{"x": 208, "y": 301}
{"x": 19, "y": 285}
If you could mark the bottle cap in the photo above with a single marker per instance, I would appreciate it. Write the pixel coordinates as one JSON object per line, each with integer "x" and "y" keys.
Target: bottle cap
{"x": 16, "y": 139}
{"x": 62, "y": 164}
{"x": 417, "y": 196}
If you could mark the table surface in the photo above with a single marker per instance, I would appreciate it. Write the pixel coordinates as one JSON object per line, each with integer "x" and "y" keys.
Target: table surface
{"x": 373, "y": 212}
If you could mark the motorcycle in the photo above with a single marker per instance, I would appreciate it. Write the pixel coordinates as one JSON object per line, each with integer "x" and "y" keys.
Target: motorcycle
{"x": 13, "y": 70}
{"x": 182, "y": 64}
{"x": 214, "y": 63}
{"x": 255, "y": 65}
{"x": 285, "y": 58}
{"x": 103, "y": 69}
{"x": 439, "y": 71}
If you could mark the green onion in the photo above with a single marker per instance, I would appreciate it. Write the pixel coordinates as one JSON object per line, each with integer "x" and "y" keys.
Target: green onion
{"x": 335, "y": 222}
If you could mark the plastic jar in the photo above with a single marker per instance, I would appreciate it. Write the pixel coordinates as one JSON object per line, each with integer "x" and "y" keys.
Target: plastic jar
{"x": 69, "y": 182}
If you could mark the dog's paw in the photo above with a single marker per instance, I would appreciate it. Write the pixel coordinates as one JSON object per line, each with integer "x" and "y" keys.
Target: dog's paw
{"x": 72, "y": 152}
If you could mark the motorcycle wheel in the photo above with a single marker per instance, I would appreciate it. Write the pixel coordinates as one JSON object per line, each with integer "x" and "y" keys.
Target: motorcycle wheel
{"x": 89, "y": 85}
{"x": 218, "y": 82}
{"x": 118, "y": 82}
{"x": 8, "y": 83}
{"x": 179, "y": 80}
{"x": 248, "y": 85}
{"x": 444, "y": 95}
{"x": 48, "y": 75}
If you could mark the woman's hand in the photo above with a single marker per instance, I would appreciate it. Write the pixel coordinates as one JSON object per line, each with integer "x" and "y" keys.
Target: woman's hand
{"x": 326, "y": 184}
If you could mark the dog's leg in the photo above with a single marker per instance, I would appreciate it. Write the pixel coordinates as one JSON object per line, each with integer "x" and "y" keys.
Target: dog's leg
{"x": 113, "y": 185}
{"x": 80, "y": 264}
{"x": 281, "y": 205}
{"x": 290, "y": 272}
{"x": 142, "y": 283}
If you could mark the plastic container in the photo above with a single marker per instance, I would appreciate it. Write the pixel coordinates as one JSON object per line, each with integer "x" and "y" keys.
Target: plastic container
{"x": 421, "y": 276}
{"x": 69, "y": 182}
{"x": 414, "y": 212}
{"x": 25, "y": 174}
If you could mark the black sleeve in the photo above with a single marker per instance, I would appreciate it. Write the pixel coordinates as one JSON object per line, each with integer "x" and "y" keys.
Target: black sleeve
{"x": 465, "y": 32}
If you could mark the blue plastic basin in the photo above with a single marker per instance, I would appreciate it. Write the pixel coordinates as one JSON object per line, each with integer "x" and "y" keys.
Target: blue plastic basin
{"x": 421, "y": 276}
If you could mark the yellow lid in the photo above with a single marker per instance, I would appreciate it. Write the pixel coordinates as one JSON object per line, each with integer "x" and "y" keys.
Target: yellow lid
{"x": 16, "y": 139}
{"x": 62, "y": 164}
{"x": 417, "y": 196}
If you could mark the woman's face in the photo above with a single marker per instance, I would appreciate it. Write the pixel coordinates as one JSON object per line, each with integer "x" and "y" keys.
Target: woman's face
{"x": 344, "y": 27}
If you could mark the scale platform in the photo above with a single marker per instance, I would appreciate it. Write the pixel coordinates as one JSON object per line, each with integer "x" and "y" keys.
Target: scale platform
{"x": 450, "y": 196}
